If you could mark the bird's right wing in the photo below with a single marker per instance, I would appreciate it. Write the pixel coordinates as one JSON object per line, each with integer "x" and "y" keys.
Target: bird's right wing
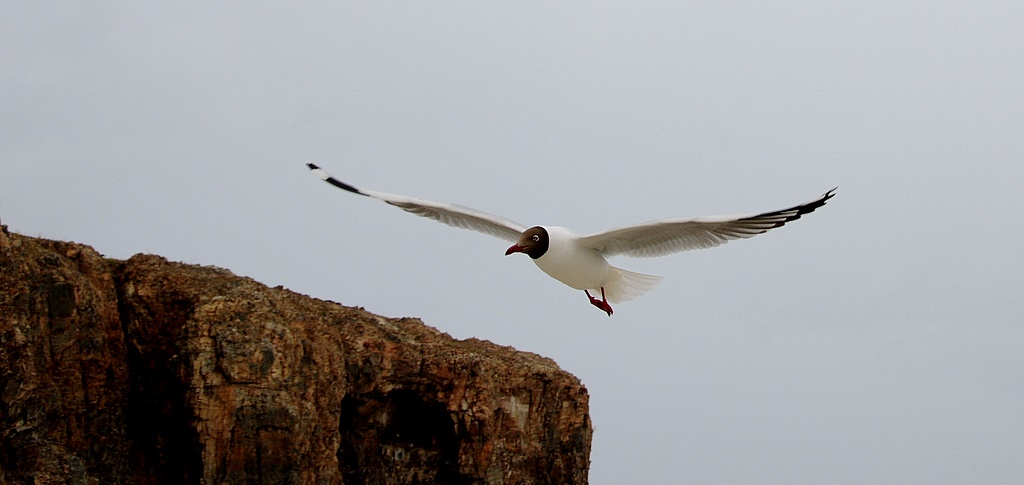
{"x": 451, "y": 214}
{"x": 661, "y": 237}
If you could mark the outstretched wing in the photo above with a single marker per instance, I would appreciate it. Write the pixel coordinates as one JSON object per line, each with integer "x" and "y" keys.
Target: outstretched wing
{"x": 665, "y": 236}
{"x": 451, "y": 214}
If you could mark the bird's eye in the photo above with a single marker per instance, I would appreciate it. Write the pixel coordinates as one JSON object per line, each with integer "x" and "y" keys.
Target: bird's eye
{"x": 535, "y": 238}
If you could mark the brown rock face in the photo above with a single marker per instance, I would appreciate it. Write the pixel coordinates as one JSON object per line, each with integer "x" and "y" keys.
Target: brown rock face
{"x": 145, "y": 371}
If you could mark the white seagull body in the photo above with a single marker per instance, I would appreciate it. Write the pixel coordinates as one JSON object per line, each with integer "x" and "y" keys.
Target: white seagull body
{"x": 580, "y": 261}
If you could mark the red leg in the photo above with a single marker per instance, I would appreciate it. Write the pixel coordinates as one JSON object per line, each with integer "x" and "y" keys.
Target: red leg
{"x": 602, "y": 303}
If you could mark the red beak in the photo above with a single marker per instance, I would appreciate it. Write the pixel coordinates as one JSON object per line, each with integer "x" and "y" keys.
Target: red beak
{"x": 514, "y": 249}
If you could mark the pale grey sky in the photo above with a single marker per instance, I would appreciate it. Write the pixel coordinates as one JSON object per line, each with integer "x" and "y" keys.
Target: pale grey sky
{"x": 877, "y": 340}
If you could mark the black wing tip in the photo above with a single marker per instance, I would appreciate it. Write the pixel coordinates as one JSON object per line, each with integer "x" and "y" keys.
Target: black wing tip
{"x": 797, "y": 211}
{"x": 807, "y": 208}
{"x": 333, "y": 181}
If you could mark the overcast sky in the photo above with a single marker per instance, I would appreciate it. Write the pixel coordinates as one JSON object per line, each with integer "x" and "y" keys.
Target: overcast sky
{"x": 877, "y": 340}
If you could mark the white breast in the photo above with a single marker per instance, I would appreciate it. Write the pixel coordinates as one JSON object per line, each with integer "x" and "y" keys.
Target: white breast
{"x": 566, "y": 261}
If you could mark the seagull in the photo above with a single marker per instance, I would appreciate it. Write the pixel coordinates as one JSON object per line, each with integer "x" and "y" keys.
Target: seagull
{"x": 580, "y": 261}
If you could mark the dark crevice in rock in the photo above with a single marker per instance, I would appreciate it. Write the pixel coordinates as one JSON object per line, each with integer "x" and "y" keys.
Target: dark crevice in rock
{"x": 156, "y": 416}
{"x": 414, "y": 441}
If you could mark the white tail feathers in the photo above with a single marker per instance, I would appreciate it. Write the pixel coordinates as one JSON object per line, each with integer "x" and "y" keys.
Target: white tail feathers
{"x": 627, "y": 285}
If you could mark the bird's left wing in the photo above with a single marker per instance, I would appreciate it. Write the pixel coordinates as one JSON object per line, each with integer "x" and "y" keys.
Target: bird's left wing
{"x": 451, "y": 214}
{"x": 665, "y": 236}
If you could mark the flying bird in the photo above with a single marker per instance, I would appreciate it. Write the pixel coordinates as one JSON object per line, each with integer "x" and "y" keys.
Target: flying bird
{"x": 580, "y": 261}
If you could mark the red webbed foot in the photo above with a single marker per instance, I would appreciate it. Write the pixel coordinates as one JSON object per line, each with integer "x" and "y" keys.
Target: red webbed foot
{"x": 602, "y": 303}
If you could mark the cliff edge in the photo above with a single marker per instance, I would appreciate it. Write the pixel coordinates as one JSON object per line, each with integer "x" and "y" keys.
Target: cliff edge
{"x": 147, "y": 371}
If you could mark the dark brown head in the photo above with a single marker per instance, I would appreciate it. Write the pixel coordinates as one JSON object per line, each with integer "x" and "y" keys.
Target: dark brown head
{"x": 533, "y": 242}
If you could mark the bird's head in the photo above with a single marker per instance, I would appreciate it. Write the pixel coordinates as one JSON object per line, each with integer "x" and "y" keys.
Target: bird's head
{"x": 533, "y": 242}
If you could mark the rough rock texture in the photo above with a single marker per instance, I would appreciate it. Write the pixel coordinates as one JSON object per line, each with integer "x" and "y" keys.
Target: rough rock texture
{"x": 145, "y": 371}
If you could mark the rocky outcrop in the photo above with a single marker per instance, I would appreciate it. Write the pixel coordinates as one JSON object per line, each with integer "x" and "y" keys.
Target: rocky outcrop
{"x": 147, "y": 371}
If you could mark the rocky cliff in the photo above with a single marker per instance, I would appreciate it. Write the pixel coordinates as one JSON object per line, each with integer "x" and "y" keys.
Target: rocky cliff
{"x": 147, "y": 371}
